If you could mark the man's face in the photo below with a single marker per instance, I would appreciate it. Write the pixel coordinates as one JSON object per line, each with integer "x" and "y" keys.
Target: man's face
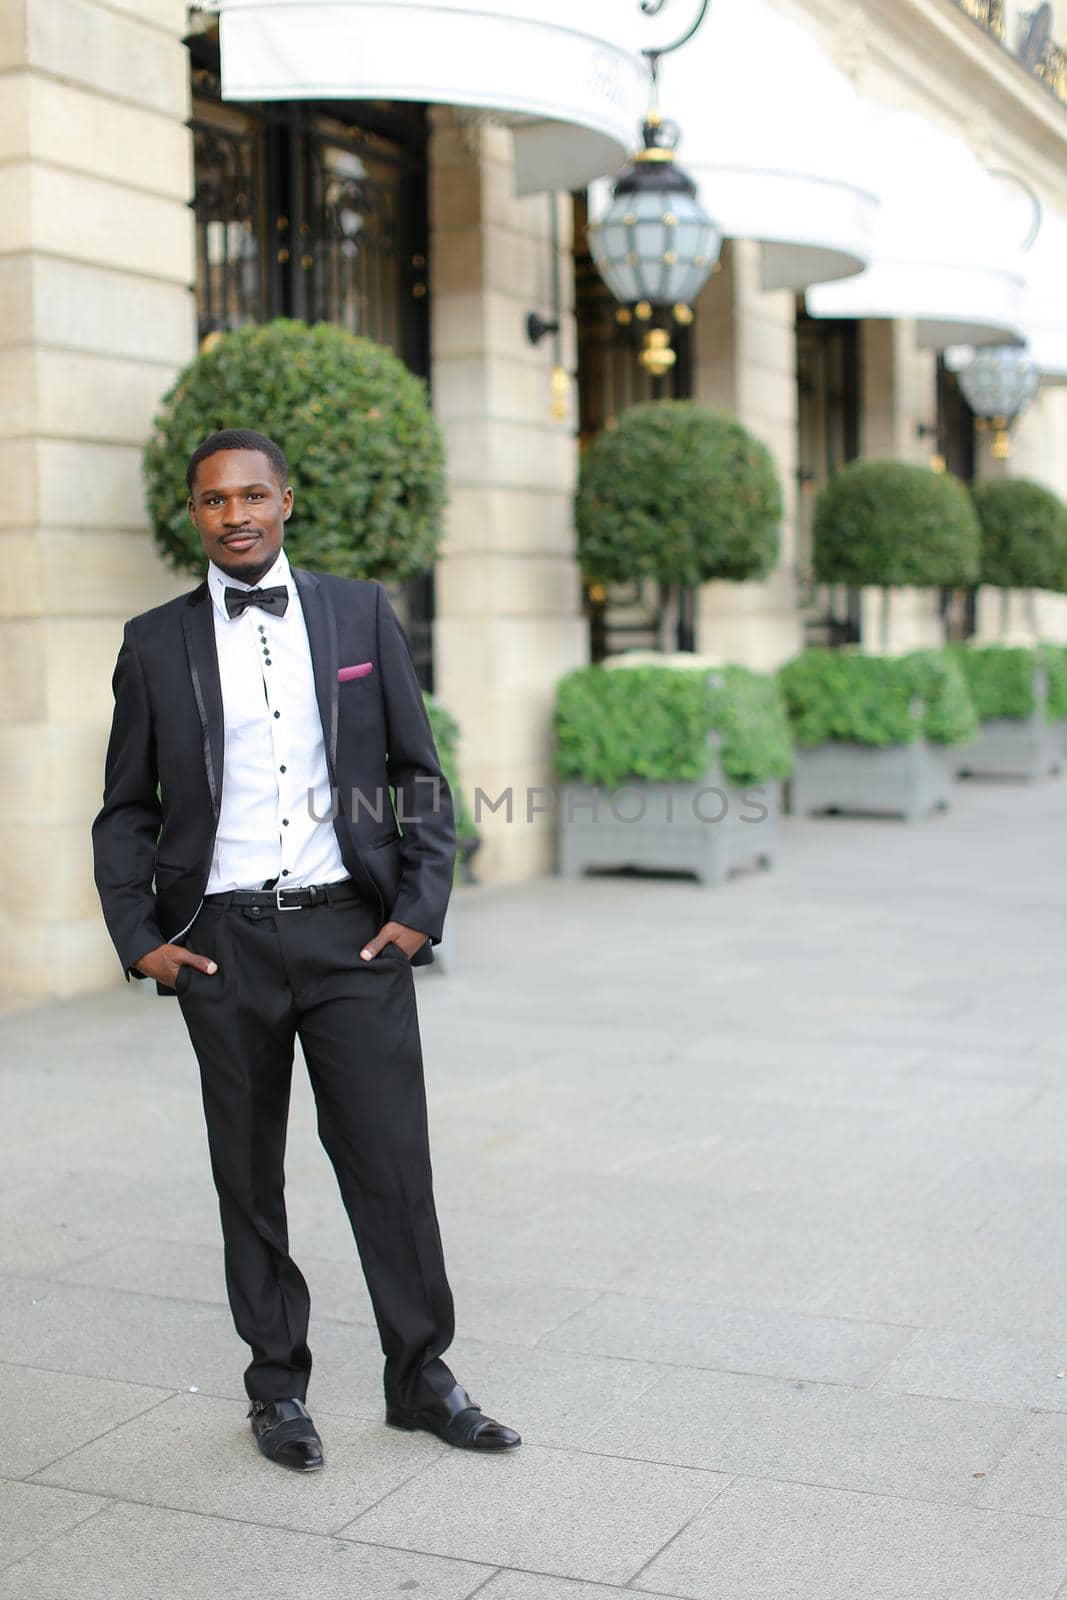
{"x": 240, "y": 510}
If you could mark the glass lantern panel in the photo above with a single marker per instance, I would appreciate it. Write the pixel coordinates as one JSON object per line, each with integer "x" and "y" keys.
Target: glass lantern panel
{"x": 650, "y": 240}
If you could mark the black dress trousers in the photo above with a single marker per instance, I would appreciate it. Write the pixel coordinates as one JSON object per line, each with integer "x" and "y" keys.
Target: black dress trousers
{"x": 298, "y": 973}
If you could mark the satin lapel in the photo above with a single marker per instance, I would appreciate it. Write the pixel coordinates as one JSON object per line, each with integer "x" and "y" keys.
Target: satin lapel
{"x": 198, "y": 624}
{"x": 322, "y": 637}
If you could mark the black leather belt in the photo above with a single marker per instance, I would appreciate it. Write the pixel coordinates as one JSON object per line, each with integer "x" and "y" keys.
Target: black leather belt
{"x": 282, "y": 899}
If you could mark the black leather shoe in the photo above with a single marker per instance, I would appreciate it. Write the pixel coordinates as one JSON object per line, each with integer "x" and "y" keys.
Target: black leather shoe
{"x": 458, "y": 1421}
{"x": 285, "y": 1433}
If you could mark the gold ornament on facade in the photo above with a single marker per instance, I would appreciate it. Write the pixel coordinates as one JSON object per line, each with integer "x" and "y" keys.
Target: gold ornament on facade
{"x": 683, "y": 315}
{"x": 1036, "y": 51}
{"x": 990, "y": 13}
{"x": 560, "y": 391}
{"x": 643, "y": 311}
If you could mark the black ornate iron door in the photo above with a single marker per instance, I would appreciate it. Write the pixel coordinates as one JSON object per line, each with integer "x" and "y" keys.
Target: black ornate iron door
{"x": 317, "y": 211}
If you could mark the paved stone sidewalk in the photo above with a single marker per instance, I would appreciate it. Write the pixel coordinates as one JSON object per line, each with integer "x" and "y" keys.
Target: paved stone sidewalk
{"x": 754, "y": 1201}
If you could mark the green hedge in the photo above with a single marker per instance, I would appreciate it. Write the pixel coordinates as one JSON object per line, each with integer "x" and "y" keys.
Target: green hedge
{"x": 1024, "y": 534}
{"x": 841, "y": 694}
{"x": 654, "y": 722}
{"x": 1000, "y": 679}
{"x": 1055, "y": 659}
{"x": 889, "y": 523}
{"x": 446, "y": 737}
{"x": 674, "y": 491}
{"x": 365, "y": 451}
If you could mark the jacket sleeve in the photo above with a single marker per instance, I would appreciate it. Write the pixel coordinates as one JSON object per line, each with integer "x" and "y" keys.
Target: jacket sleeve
{"x": 423, "y": 799}
{"x": 127, "y": 826}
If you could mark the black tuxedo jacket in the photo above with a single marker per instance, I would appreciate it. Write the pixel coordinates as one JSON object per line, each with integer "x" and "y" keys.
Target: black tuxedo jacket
{"x": 154, "y": 835}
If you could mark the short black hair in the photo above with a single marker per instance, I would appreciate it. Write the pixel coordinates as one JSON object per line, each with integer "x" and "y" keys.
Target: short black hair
{"x": 238, "y": 439}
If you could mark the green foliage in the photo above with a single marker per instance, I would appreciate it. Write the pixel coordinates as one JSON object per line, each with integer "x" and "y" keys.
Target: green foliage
{"x": 1055, "y": 661}
{"x": 654, "y": 722}
{"x": 889, "y": 523}
{"x": 677, "y": 492}
{"x": 446, "y": 736}
{"x": 365, "y": 451}
{"x": 841, "y": 694}
{"x": 1024, "y": 534}
{"x": 1000, "y": 679}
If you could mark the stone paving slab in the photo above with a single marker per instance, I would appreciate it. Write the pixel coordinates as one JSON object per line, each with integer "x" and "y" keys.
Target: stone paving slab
{"x": 48, "y": 1414}
{"x": 733, "y": 1338}
{"x": 973, "y": 1366}
{"x": 175, "y": 1270}
{"x": 170, "y": 1344}
{"x": 762, "y": 1538}
{"x": 553, "y": 1396}
{"x": 1032, "y": 1475}
{"x": 998, "y": 1285}
{"x": 117, "y": 1205}
{"x": 166, "y": 1343}
{"x": 905, "y": 1445}
{"x": 511, "y": 1585}
{"x": 671, "y": 1239}
{"x": 551, "y": 1511}
{"x": 136, "y": 1552}
{"x": 196, "y": 1453}
{"x": 30, "y": 1516}
{"x": 32, "y": 1248}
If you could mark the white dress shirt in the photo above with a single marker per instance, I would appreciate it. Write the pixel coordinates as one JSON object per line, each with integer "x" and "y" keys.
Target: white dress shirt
{"x": 275, "y": 780}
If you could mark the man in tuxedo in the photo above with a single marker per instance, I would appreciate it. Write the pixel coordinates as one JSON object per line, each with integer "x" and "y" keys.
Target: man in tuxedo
{"x": 249, "y": 859}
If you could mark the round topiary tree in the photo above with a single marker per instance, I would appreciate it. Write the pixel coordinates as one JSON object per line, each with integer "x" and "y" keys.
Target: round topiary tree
{"x": 365, "y": 450}
{"x": 893, "y": 524}
{"x": 679, "y": 493}
{"x": 1024, "y": 536}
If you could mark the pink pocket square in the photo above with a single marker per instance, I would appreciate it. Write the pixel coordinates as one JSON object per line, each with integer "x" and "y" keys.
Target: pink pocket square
{"x": 361, "y": 670}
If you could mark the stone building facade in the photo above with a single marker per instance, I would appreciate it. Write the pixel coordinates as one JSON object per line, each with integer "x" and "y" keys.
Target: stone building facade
{"x": 98, "y": 314}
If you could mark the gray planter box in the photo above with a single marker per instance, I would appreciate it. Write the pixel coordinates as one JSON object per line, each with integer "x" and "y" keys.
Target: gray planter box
{"x": 908, "y": 780}
{"x": 705, "y": 828}
{"x": 1014, "y": 747}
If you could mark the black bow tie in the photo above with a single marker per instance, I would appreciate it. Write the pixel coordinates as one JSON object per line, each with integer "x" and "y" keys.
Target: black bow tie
{"x": 275, "y": 600}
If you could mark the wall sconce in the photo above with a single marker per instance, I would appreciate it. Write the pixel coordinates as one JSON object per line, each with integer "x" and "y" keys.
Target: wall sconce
{"x": 538, "y": 327}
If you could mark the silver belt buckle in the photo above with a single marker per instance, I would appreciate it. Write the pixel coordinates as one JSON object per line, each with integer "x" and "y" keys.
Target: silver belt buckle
{"x": 278, "y": 892}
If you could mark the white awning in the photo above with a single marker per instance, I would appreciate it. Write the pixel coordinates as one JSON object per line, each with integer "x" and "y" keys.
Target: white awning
{"x": 773, "y": 133}
{"x": 1045, "y": 299}
{"x": 946, "y": 251}
{"x": 558, "y": 69}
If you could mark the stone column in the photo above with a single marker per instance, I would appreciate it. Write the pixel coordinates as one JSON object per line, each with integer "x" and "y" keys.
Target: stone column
{"x": 745, "y": 363}
{"x": 96, "y": 315}
{"x": 508, "y": 596}
{"x": 899, "y": 396}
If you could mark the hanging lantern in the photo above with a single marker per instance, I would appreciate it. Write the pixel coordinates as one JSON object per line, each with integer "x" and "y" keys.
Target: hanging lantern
{"x": 655, "y": 246}
{"x": 998, "y": 385}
